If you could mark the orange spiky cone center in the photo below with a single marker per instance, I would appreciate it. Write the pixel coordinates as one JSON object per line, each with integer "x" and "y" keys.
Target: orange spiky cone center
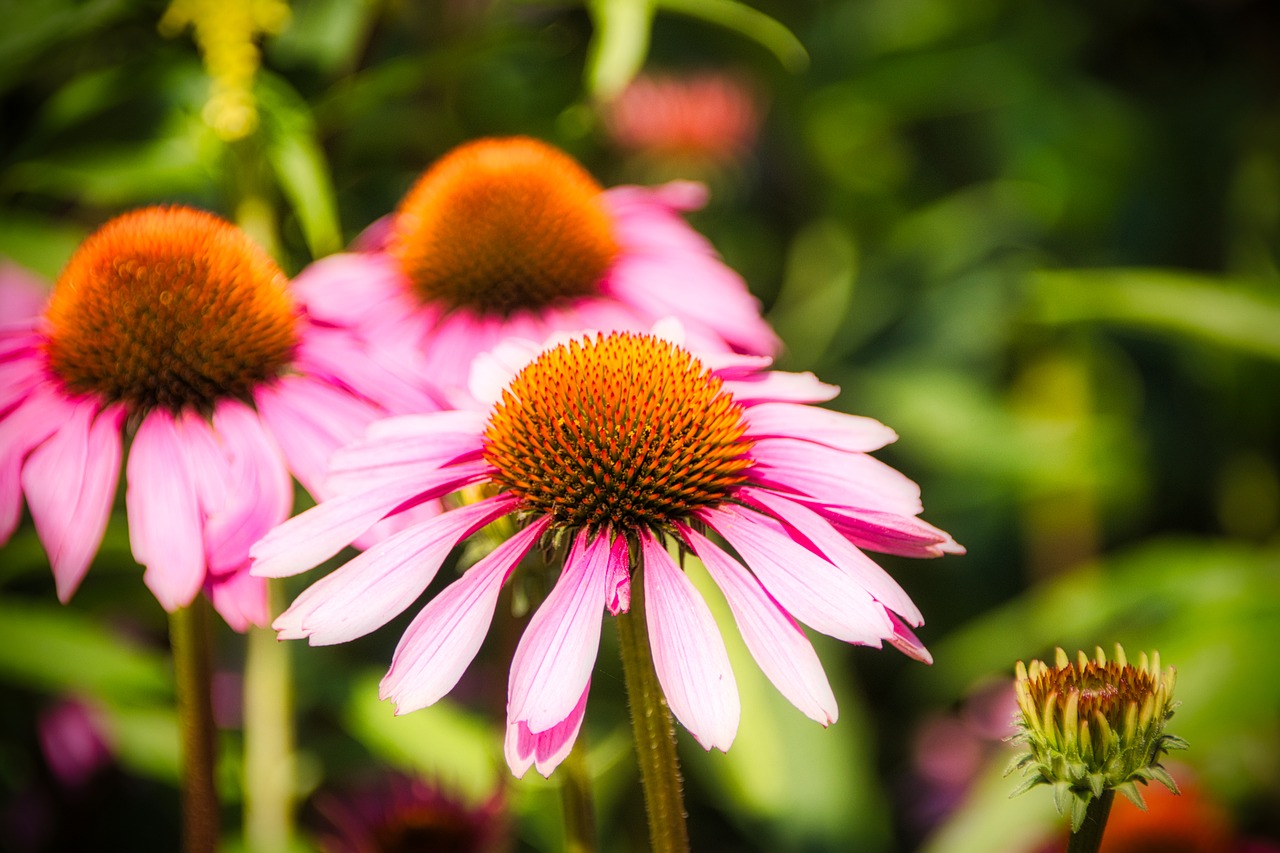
{"x": 499, "y": 226}
{"x": 626, "y": 430}
{"x": 169, "y": 307}
{"x": 1106, "y": 689}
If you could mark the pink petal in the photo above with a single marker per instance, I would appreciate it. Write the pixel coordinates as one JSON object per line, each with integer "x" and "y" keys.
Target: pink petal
{"x": 905, "y": 641}
{"x": 70, "y": 482}
{"x": 164, "y": 515}
{"x": 349, "y": 289}
{"x": 545, "y": 750}
{"x": 343, "y": 359}
{"x": 418, "y": 446}
{"x": 309, "y": 538}
{"x": 377, "y": 585}
{"x": 775, "y": 386}
{"x": 688, "y": 651}
{"x": 834, "y": 429}
{"x": 887, "y": 532}
{"x": 22, "y": 293}
{"x": 837, "y": 549}
{"x": 555, "y": 655}
{"x": 834, "y": 476}
{"x": 22, "y": 429}
{"x": 443, "y": 639}
{"x": 810, "y": 588}
{"x": 259, "y": 491}
{"x": 311, "y": 419}
{"x": 240, "y": 599}
{"x": 777, "y": 643}
{"x": 454, "y": 343}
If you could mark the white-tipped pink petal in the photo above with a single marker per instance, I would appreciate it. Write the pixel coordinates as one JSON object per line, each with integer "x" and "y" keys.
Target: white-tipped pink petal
{"x": 545, "y": 750}
{"x": 807, "y": 586}
{"x": 834, "y": 476}
{"x": 309, "y": 538}
{"x": 70, "y": 482}
{"x": 776, "y": 386}
{"x": 837, "y": 549}
{"x": 443, "y": 639}
{"x": 688, "y": 652}
{"x": 164, "y": 514}
{"x": 377, "y": 585}
{"x": 777, "y": 643}
{"x": 259, "y": 492}
{"x": 834, "y": 429}
{"x": 905, "y": 641}
{"x": 555, "y": 655}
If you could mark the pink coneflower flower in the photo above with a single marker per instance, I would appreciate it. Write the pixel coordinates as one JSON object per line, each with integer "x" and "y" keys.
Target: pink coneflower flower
{"x": 512, "y": 237}
{"x": 615, "y": 447}
{"x": 170, "y": 331}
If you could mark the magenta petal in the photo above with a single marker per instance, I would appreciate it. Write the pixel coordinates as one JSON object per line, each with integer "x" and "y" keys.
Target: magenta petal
{"x": 70, "y": 482}
{"x": 443, "y": 639}
{"x": 554, "y": 658}
{"x": 834, "y": 429}
{"x": 311, "y": 537}
{"x": 545, "y": 750}
{"x": 777, "y": 643}
{"x": 259, "y": 491}
{"x": 688, "y": 652}
{"x": 810, "y": 588}
{"x": 379, "y": 584}
{"x": 164, "y": 515}
{"x": 905, "y": 641}
{"x": 834, "y": 476}
{"x": 837, "y": 549}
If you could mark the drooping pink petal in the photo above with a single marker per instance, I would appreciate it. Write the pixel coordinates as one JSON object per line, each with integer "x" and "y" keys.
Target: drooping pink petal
{"x": 442, "y": 640}
{"x": 777, "y": 643}
{"x": 868, "y": 574}
{"x": 22, "y": 429}
{"x": 310, "y": 420}
{"x": 70, "y": 482}
{"x": 776, "y": 386}
{"x": 164, "y": 514}
{"x": 554, "y": 657}
{"x": 688, "y": 652}
{"x": 370, "y": 371}
{"x": 885, "y": 532}
{"x": 834, "y": 429}
{"x": 311, "y": 537}
{"x": 810, "y": 588}
{"x": 17, "y": 382}
{"x": 545, "y": 750}
{"x": 240, "y": 599}
{"x": 418, "y": 447}
{"x": 905, "y": 641}
{"x": 377, "y": 585}
{"x": 259, "y": 491}
{"x": 349, "y": 289}
{"x": 834, "y": 476}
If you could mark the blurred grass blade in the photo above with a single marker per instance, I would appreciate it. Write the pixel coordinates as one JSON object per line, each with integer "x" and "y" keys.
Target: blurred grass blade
{"x": 1202, "y": 308}
{"x": 619, "y": 45}
{"x": 296, "y": 158}
{"x": 749, "y": 22}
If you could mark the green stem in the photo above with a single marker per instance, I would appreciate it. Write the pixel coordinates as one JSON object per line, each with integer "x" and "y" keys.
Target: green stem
{"x": 1089, "y": 838}
{"x": 268, "y": 740}
{"x": 654, "y": 730}
{"x": 575, "y": 795}
{"x": 189, "y": 636}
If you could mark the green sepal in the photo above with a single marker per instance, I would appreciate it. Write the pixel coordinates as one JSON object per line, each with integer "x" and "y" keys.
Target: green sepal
{"x": 1061, "y": 796}
{"x": 1130, "y": 790}
{"x": 1162, "y": 776}
{"x": 1096, "y": 783}
{"x": 1079, "y": 808}
{"x": 1028, "y": 785}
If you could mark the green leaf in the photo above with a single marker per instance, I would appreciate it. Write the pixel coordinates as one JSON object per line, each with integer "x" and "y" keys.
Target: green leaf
{"x": 749, "y": 22}
{"x": 618, "y": 46}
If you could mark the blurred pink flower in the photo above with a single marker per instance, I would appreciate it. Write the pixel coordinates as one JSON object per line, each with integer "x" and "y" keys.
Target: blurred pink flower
{"x": 511, "y": 237}
{"x": 172, "y": 333}
{"x": 710, "y": 117}
{"x": 74, "y": 741}
{"x": 617, "y": 446}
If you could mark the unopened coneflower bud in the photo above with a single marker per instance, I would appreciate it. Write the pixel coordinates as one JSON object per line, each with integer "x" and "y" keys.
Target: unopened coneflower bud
{"x": 1094, "y": 725}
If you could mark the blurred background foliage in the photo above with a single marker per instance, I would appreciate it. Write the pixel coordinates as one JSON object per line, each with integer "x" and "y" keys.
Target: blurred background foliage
{"x": 1039, "y": 240}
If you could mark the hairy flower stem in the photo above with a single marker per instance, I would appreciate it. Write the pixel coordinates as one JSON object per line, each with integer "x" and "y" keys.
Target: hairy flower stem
{"x": 190, "y": 639}
{"x": 268, "y": 740}
{"x": 579, "y": 806}
{"x": 654, "y": 731}
{"x": 1089, "y": 838}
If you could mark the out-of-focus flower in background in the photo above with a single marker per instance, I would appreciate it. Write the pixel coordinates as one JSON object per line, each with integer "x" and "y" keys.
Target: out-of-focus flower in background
{"x": 613, "y": 446}
{"x": 172, "y": 333}
{"x": 512, "y": 237}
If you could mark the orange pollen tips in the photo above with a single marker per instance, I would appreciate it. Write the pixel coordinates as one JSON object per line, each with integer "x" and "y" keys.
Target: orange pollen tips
{"x": 169, "y": 307}
{"x": 498, "y": 226}
{"x": 626, "y": 430}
